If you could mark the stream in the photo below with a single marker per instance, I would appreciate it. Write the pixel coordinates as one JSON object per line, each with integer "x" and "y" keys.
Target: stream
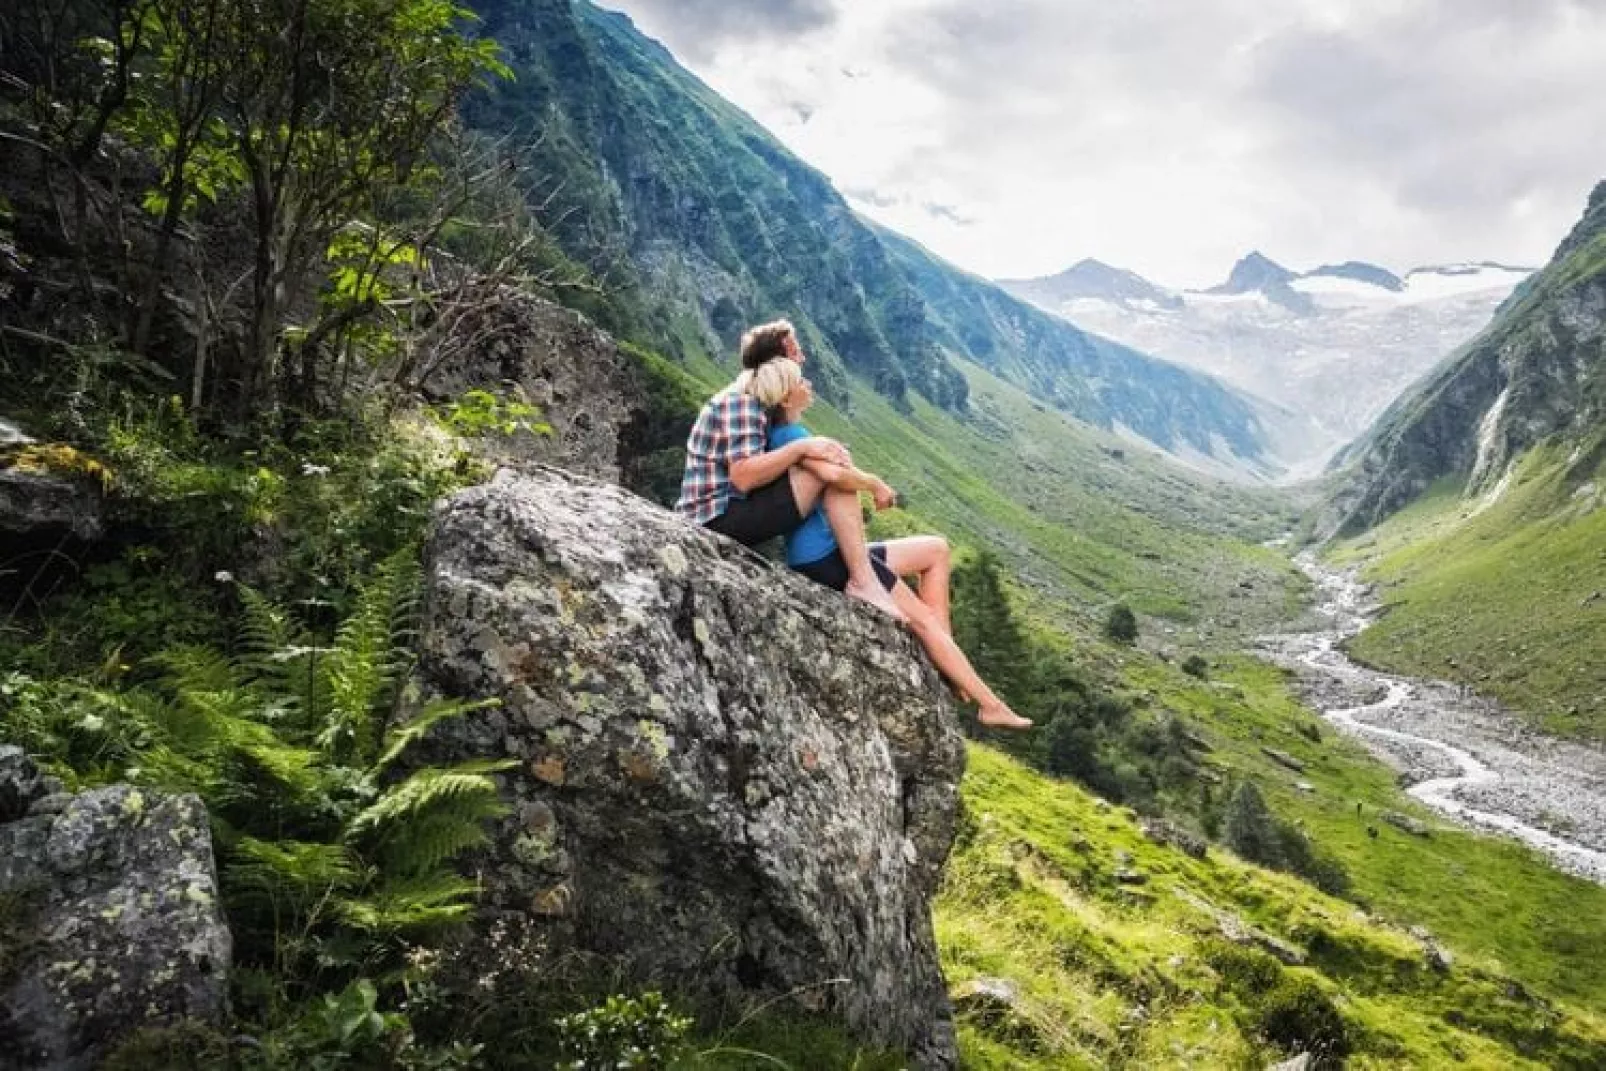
{"x": 1461, "y": 754}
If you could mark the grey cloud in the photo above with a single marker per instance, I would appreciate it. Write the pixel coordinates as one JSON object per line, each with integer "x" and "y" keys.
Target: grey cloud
{"x": 937, "y": 210}
{"x": 694, "y": 29}
{"x": 1451, "y": 111}
{"x": 1460, "y": 107}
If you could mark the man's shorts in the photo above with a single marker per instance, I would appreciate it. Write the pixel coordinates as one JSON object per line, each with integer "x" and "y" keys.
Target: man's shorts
{"x": 765, "y": 513}
{"x": 832, "y": 570}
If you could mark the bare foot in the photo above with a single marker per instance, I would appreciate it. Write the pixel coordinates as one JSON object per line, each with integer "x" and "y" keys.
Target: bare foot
{"x": 876, "y": 596}
{"x": 998, "y": 716}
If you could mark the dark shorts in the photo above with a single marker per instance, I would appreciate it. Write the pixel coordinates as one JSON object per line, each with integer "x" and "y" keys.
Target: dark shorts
{"x": 832, "y": 570}
{"x": 767, "y": 512}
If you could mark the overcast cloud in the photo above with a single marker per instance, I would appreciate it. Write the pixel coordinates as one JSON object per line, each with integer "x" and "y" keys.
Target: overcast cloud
{"x": 1171, "y": 136}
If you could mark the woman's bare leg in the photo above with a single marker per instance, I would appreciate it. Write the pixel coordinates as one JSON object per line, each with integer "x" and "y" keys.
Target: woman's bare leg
{"x": 929, "y": 558}
{"x": 843, "y": 514}
{"x": 952, "y": 663}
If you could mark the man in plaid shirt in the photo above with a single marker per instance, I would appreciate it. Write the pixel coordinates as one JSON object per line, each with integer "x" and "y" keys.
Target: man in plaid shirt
{"x": 732, "y": 486}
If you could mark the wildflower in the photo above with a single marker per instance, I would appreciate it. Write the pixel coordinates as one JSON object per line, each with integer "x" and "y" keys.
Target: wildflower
{"x": 309, "y": 469}
{"x": 223, "y": 576}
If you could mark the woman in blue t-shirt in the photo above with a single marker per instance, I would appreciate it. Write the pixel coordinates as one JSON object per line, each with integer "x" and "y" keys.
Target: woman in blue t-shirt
{"x": 811, "y": 549}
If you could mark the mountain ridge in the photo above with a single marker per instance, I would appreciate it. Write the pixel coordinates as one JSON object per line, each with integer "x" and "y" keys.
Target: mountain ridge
{"x": 715, "y": 225}
{"x": 1537, "y": 372}
{"x": 1333, "y": 346}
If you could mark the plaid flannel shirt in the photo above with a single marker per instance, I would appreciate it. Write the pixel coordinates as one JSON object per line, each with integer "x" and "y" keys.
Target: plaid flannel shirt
{"x": 730, "y": 427}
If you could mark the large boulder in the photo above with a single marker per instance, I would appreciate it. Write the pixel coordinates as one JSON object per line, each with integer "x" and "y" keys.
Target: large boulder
{"x": 589, "y": 393}
{"x": 729, "y": 781}
{"x": 109, "y": 920}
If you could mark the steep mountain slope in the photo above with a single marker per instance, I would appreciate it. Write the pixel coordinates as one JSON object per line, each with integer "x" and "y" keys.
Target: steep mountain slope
{"x": 712, "y": 224}
{"x": 1538, "y": 371}
{"x": 1333, "y": 346}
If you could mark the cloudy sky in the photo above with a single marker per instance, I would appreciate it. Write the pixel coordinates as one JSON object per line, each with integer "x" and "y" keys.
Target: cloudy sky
{"x": 1015, "y": 137}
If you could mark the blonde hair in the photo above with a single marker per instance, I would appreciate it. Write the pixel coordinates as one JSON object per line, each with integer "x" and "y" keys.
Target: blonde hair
{"x": 773, "y": 380}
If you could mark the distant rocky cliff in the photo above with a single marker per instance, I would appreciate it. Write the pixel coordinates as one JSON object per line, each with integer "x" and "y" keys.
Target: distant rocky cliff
{"x": 1537, "y": 373}
{"x": 729, "y": 781}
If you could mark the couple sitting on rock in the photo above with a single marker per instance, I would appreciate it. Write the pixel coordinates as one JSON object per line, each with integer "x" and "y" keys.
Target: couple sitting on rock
{"x": 753, "y": 472}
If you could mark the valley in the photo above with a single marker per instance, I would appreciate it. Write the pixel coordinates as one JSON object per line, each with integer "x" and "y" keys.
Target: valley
{"x": 1462, "y": 755}
{"x": 1318, "y": 767}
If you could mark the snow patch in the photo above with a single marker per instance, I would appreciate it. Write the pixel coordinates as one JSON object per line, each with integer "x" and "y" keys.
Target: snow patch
{"x": 1449, "y": 280}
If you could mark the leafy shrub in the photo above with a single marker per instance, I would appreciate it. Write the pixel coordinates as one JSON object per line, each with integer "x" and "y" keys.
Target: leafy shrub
{"x": 483, "y": 412}
{"x": 1121, "y": 625}
{"x": 624, "y": 1033}
{"x": 1248, "y": 972}
{"x": 1298, "y": 1016}
{"x": 1196, "y": 666}
{"x": 1251, "y": 830}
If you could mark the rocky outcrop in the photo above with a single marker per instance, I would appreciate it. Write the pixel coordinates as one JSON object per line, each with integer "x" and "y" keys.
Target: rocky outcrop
{"x": 588, "y": 392}
{"x": 37, "y": 507}
{"x": 729, "y": 782}
{"x": 109, "y": 918}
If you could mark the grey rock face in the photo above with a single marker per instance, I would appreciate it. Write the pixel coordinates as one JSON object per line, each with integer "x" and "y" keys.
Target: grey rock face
{"x": 20, "y": 783}
{"x": 110, "y": 922}
{"x": 35, "y": 506}
{"x": 588, "y": 391}
{"x": 730, "y": 780}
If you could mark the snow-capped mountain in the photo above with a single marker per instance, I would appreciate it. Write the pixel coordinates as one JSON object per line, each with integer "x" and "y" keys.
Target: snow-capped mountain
{"x": 1334, "y": 345}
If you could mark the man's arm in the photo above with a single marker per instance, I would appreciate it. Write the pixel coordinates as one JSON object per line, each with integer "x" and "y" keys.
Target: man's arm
{"x": 756, "y": 470}
{"x": 848, "y": 478}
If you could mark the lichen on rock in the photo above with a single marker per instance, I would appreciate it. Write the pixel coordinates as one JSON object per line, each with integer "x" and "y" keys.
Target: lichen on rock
{"x": 112, "y": 922}
{"x": 731, "y": 782}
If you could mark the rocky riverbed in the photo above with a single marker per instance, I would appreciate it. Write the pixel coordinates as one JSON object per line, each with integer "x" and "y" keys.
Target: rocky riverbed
{"x": 1459, "y": 753}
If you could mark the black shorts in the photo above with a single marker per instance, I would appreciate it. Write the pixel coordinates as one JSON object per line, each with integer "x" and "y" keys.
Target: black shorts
{"x": 767, "y": 512}
{"x": 832, "y": 570}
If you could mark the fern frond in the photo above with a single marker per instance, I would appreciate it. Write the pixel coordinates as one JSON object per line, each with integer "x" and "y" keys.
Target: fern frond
{"x": 430, "y": 817}
{"x": 403, "y": 736}
{"x": 411, "y": 904}
{"x": 190, "y": 668}
{"x": 267, "y": 632}
{"x": 368, "y": 654}
{"x": 304, "y": 865}
{"x": 288, "y": 874}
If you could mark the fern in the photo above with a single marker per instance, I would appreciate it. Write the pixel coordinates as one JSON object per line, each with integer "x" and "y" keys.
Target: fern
{"x": 368, "y": 656}
{"x": 412, "y": 904}
{"x": 430, "y": 817}
{"x": 403, "y": 736}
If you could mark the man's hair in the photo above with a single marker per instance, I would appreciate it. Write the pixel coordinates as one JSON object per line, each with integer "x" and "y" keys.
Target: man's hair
{"x": 764, "y": 342}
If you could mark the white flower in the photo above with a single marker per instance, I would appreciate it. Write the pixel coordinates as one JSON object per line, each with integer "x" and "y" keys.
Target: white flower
{"x": 223, "y": 576}
{"x": 309, "y": 469}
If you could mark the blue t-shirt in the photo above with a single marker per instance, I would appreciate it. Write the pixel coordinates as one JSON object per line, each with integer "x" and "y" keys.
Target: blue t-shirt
{"x": 811, "y": 540}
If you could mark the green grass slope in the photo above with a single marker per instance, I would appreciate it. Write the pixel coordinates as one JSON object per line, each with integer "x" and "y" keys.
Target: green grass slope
{"x": 1116, "y": 947}
{"x": 1506, "y": 594}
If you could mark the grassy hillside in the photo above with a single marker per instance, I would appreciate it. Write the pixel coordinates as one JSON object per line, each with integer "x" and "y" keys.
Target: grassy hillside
{"x": 1116, "y": 947}
{"x": 1506, "y": 593}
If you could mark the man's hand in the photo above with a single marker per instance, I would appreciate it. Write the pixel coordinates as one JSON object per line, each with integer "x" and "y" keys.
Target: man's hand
{"x": 828, "y": 450}
{"x": 885, "y": 497}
